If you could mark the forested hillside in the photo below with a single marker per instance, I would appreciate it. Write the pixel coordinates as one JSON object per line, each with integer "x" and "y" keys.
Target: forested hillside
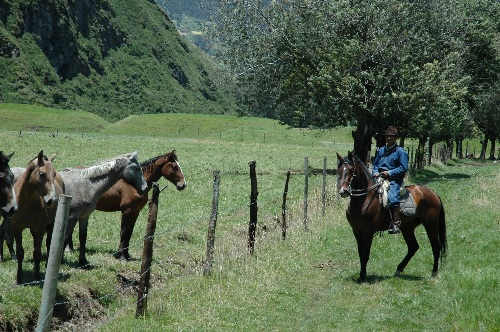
{"x": 113, "y": 58}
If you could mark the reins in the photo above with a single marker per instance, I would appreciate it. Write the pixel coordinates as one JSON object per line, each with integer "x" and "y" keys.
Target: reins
{"x": 359, "y": 192}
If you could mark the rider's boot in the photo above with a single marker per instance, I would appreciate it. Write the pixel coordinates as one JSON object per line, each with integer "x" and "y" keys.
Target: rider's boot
{"x": 396, "y": 221}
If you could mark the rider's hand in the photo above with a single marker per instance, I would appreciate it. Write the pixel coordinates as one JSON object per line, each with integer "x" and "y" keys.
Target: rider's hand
{"x": 385, "y": 174}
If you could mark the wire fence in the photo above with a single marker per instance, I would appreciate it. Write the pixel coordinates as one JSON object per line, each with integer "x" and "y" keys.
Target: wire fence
{"x": 317, "y": 192}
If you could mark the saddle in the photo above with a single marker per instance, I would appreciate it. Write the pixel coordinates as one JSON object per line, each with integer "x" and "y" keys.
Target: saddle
{"x": 407, "y": 204}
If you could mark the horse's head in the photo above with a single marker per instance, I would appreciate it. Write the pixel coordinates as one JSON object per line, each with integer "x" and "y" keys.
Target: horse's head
{"x": 172, "y": 171}
{"x": 42, "y": 176}
{"x": 8, "y": 201}
{"x": 133, "y": 174}
{"x": 353, "y": 173}
{"x": 345, "y": 171}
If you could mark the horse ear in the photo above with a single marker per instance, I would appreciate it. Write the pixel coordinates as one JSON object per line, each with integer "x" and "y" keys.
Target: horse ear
{"x": 40, "y": 158}
{"x": 53, "y": 157}
{"x": 339, "y": 157}
{"x": 350, "y": 155}
{"x": 9, "y": 156}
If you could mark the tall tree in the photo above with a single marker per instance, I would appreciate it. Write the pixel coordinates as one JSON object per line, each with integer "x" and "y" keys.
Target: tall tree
{"x": 366, "y": 63}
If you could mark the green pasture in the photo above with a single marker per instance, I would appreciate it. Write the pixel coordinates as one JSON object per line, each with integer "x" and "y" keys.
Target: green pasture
{"x": 305, "y": 283}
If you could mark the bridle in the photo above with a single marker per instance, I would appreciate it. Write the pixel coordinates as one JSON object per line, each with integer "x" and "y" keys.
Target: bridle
{"x": 357, "y": 192}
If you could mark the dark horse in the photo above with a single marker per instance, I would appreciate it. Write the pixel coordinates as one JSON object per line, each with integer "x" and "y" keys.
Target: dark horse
{"x": 123, "y": 197}
{"x": 8, "y": 202}
{"x": 367, "y": 216}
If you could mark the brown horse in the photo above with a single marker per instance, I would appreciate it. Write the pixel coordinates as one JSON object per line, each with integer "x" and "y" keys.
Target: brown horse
{"x": 367, "y": 216}
{"x": 123, "y": 197}
{"x": 8, "y": 202}
{"x": 37, "y": 192}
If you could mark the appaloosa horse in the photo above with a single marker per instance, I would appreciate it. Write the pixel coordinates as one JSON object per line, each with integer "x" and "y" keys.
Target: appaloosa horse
{"x": 87, "y": 185}
{"x": 367, "y": 216}
{"x": 37, "y": 191}
{"x": 123, "y": 197}
{"x": 8, "y": 202}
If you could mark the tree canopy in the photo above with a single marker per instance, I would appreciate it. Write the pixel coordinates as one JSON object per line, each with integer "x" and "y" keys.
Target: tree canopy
{"x": 429, "y": 67}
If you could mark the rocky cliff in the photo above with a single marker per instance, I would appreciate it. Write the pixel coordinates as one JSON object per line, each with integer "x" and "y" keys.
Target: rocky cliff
{"x": 112, "y": 57}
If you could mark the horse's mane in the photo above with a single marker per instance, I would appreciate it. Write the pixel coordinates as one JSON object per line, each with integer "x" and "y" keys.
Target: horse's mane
{"x": 103, "y": 168}
{"x": 363, "y": 166}
{"x": 151, "y": 161}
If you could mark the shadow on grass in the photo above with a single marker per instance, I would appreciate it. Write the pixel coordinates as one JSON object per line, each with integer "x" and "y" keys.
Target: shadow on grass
{"x": 375, "y": 279}
{"x": 424, "y": 176}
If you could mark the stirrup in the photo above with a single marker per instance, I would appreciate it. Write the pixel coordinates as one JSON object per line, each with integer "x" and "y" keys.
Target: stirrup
{"x": 394, "y": 228}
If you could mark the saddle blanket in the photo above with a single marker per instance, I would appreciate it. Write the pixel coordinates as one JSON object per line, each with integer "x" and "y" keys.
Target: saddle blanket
{"x": 406, "y": 202}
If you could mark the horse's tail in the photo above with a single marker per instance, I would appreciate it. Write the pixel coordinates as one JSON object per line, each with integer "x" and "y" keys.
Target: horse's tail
{"x": 443, "y": 243}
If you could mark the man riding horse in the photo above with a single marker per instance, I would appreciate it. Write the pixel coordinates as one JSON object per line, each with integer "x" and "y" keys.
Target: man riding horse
{"x": 391, "y": 163}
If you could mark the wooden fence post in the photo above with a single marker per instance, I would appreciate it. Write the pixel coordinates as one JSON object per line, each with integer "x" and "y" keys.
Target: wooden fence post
{"x": 253, "y": 208}
{"x": 147, "y": 253}
{"x": 53, "y": 264}
{"x": 283, "y": 207}
{"x": 306, "y": 189}
{"x": 207, "y": 270}
{"x": 323, "y": 191}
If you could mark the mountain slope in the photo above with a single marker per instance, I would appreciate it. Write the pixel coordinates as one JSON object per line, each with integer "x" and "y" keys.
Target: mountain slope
{"x": 110, "y": 57}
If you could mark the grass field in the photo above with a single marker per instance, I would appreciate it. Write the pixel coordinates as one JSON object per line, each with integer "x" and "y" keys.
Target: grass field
{"x": 305, "y": 283}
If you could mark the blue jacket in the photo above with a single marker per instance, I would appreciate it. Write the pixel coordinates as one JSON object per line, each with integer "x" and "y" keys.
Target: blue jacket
{"x": 394, "y": 160}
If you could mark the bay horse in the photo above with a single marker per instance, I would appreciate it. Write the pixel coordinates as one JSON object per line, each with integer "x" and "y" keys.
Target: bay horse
{"x": 37, "y": 192}
{"x": 8, "y": 202}
{"x": 123, "y": 197}
{"x": 87, "y": 185}
{"x": 367, "y": 216}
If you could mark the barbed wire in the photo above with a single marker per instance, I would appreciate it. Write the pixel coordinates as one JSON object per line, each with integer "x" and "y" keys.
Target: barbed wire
{"x": 237, "y": 210}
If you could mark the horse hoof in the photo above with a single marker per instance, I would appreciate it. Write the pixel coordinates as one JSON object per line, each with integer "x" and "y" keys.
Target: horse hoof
{"x": 397, "y": 273}
{"x": 123, "y": 257}
{"x": 434, "y": 274}
{"x": 85, "y": 265}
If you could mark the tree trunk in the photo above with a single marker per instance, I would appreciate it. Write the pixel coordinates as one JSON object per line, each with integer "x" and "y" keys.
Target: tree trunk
{"x": 484, "y": 144}
{"x": 420, "y": 156}
{"x": 363, "y": 138}
{"x": 459, "y": 148}
{"x": 449, "y": 148}
{"x": 492, "y": 150}
{"x": 429, "y": 157}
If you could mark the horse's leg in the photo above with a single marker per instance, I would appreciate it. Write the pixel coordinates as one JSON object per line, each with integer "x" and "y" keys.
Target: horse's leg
{"x": 70, "y": 227}
{"x": 48, "y": 240}
{"x": 3, "y": 236}
{"x": 129, "y": 217}
{"x": 71, "y": 247}
{"x": 436, "y": 247}
{"x": 412, "y": 244}
{"x": 364, "y": 247}
{"x": 20, "y": 256}
{"x": 82, "y": 236}
{"x": 37, "y": 251}
{"x": 9, "y": 239}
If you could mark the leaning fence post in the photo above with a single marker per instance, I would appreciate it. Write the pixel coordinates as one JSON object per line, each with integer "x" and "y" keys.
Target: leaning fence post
{"x": 211, "y": 226}
{"x": 53, "y": 264}
{"x": 283, "y": 207}
{"x": 306, "y": 189}
{"x": 253, "y": 208}
{"x": 147, "y": 253}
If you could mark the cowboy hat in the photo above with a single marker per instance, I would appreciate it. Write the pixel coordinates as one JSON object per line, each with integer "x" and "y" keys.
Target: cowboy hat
{"x": 391, "y": 131}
